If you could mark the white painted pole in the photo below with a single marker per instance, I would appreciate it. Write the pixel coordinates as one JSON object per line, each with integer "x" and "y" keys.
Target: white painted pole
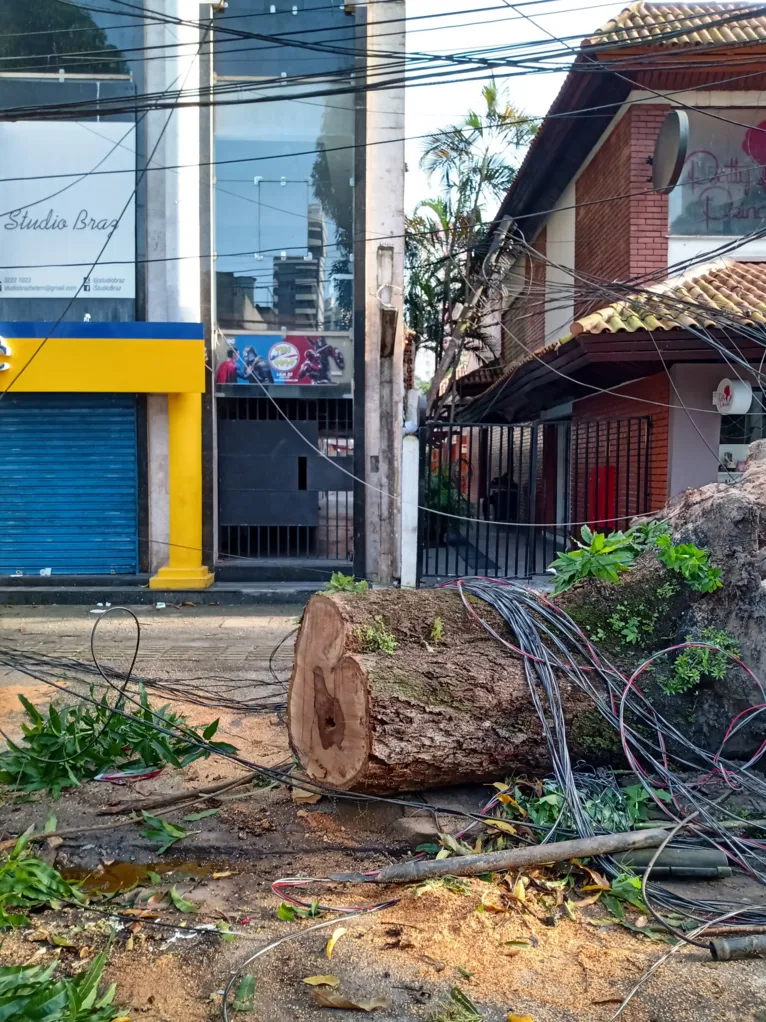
{"x": 173, "y": 226}
{"x": 408, "y": 570}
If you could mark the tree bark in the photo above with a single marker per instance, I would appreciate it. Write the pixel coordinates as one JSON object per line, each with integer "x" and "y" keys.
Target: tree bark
{"x": 449, "y": 705}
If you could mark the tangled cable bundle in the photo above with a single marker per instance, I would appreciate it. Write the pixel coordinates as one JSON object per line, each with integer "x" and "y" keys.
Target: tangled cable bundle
{"x": 550, "y": 642}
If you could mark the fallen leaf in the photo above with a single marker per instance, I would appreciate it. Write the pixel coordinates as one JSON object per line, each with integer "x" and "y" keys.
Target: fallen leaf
{"x": 307, "y": 797}
{"x": 596, "y": 877}
{"x": 518, "y": 943}
{"x": 332, "y": 999}
{"x": 506, "y": 828}
{"x": 181, "y": 903}
{"x": 156, "y": 898}
{"x": 226, "y": 873}
{"x": 337, "y": 933}
{"x": 570, "y": 911}
{"x": 122, "y": 1018}
{"x": 84, "y": 951}
{"x": 60, "y": 941}
{"x": 463, "y": 972}
{"x": 129, "y": 943}
{"x": 500, "y": 786}
{"x": 193, "y": 817}
{"x": 142, "y": 913}
{"x": 519, "y": 1018}
{"x": 244, "y": 997}
{"x": 520, "y": 891}
{"x": 39, "y": 936}
{"x": 322, "y": 981}
{"x": 584, "y": 902}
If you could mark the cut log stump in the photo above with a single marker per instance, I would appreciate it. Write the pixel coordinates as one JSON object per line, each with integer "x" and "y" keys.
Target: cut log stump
{"x": 398, "y": 690}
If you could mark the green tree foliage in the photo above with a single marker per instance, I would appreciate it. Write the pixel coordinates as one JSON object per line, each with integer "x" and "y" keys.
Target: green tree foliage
{"x": 472, "y": 165}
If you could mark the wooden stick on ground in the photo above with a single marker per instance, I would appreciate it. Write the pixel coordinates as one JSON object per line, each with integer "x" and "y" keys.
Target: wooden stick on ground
{"x": 515, "y": 858}
{"x": 168, "y": 800}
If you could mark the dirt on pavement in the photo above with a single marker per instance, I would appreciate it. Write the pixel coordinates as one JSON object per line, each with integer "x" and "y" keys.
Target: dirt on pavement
{"x": 173, "y": 966}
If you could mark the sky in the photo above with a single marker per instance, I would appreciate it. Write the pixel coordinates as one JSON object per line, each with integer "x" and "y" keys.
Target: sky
{"x": 484, "y": 23}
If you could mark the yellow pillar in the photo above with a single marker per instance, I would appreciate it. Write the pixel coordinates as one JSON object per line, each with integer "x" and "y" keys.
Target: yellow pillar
{"x": 184, "y": 569}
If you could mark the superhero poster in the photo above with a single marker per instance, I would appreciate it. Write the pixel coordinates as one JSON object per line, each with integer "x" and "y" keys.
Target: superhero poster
{"x": 296, "y": 359}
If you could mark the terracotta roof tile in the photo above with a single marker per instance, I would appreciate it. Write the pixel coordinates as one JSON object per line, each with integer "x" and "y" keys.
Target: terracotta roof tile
{"x": 677, "y": 25}
{"x": 736, "y": 289}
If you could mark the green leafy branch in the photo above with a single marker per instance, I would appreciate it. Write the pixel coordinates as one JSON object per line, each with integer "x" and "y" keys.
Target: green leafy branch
{"x": 63, "y": 748}
{"x": 608, "y": 558}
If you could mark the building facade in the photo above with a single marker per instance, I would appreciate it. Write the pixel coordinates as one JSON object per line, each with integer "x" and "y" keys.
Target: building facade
{"x": 624, "y": 305}
{"x": 190, "y": 300}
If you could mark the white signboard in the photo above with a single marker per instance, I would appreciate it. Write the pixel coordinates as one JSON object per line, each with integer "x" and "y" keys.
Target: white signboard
{"x": 52, "y": 230}
{"x": 733, "y": 397}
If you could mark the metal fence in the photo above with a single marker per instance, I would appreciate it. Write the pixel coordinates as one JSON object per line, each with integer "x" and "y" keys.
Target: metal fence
{"x": 282, "y": 491}
{"x": 504, "y": 500}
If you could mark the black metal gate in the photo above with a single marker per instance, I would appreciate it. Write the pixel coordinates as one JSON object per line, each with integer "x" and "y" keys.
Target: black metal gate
{"x": 285, "y": 503}
{"x": 504, "y": 500}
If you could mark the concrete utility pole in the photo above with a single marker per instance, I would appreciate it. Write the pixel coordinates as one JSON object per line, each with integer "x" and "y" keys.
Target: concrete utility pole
{"x": 384, "y": 297}
{"x": 173, "y": 294}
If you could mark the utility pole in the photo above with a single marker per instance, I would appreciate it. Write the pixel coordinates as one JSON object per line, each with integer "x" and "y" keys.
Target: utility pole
{"x": 384, "y": 299}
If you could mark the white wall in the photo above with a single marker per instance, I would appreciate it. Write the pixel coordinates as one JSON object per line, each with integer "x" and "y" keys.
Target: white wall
{"x": 693, "y": 436}
{"x": 684, "y": 247}
{"x": 559, "y": 283}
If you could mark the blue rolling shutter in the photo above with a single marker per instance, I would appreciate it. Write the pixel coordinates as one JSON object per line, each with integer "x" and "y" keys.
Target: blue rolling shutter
{"x": 68, "y": 484}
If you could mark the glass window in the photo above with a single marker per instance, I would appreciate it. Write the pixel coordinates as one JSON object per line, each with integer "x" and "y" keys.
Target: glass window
{"x": 284, "y": 165}
{"x": 737, "y": 433}
{"x": 722, "y": 190}
{"x": 48, "y": 35}
{"x": 55, "y": 227}
{"x": 323, "y": 31}
{"x": 284, "y": 220}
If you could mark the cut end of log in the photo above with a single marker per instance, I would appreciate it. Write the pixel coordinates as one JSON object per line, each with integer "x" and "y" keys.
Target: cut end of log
{"x": 329, "y": 700}
{"x": 382, "y": 700}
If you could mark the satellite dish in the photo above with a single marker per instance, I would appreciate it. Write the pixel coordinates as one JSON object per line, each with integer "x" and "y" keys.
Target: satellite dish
{"x": 670, "y": 151}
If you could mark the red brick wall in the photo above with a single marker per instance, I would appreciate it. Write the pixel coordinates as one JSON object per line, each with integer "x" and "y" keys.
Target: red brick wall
{"x": 648, "y": 211}
{"x": 609, "y": 470}
{"x": 627, "y": 235}
{"x": 523, "y": 323}
{"x": 602, "y": 228}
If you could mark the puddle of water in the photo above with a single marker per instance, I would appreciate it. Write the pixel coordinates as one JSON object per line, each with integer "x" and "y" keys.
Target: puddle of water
{"x": 119, "y": 876}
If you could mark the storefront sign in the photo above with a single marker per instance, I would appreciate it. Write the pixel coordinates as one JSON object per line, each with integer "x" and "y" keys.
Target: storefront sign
{"x": 53, "y": 229}
{"x": 733, "y": 397}
{"x": 297, "y": 359}
{"x": 722, "y": 189}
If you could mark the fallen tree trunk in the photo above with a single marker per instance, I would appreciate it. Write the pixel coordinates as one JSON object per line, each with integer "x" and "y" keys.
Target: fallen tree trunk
{"x": 396, "y": 690}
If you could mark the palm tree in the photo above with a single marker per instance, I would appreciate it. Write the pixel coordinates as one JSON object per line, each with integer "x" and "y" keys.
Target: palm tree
{"x": 474, "y": 163}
